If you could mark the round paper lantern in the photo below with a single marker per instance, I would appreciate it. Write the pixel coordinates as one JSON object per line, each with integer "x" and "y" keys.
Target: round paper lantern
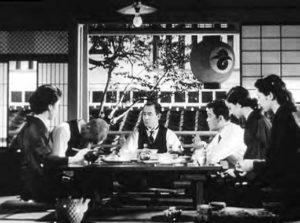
{"x": 212, "y": 60}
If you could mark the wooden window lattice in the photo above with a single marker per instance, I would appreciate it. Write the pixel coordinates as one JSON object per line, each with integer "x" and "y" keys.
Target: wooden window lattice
{"x": 34, "y": 42}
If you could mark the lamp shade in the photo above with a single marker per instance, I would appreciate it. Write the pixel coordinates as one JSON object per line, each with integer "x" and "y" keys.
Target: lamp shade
{"x": 212, "y": 61}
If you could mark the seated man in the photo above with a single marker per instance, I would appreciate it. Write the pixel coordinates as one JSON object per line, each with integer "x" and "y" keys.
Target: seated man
{"x": 152, "y": 135}
{"x": 228, "y": 143}
{"x": 68, "y": 138}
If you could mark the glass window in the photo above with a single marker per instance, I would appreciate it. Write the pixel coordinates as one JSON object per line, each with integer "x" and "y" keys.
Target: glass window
{"x": 193, "y": 97}
{"x": 27, "y": 95}
{"x": 290, "y": 69}
{"x": 111, "y": 96}
{"x": 251, "y": 69}
{"x": 291, "y": 57}
{"x": 270, "y": 31}
{"x": 165, "y": 97}
{"x": 270, "y": 44}
{"x": 290, "y": 44}
{"x": 271, "y": 69}
{"x": 220, "y": 94}
{"x": 97, "y": 96}
{"x": 251, "y": 57}
{"x": 126, "y": 97}
{"x": 207, "y": 96}
{"x": 271, "y": 57}
{"x": 251, "y": 31}
{"x": 179, "y": 96}
{"x": 290, "y": 31}
{"x": 251, "y": 44}
{"x": 16, "y": 96}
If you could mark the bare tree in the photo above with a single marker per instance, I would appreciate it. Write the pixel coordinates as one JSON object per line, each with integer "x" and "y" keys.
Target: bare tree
{"x": 166, "y": 67}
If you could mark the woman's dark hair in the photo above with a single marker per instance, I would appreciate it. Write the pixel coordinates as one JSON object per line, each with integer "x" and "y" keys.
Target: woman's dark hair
{"x": 219, "y": 108}
{"x": 241, "y": 95}
{"x": 274, "y": 84}
{"x": 44, "y": 96}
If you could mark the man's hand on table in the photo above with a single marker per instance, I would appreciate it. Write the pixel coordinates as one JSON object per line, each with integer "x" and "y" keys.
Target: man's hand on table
{"x": 79, "y": 157}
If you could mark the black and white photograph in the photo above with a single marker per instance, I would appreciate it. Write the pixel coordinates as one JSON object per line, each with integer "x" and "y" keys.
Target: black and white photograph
{"x": 152, "y": 111}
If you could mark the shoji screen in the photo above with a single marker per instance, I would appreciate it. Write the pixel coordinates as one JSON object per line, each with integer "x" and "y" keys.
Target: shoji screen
{"x": 272, "y": 49}
{"x": 56, "y": 74}
{"x": 3, "y": 103}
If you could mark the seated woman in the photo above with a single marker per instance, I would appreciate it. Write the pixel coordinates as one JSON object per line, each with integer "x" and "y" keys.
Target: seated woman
{"x": 257, "y": 127}
{"x": 39, "y": 166}
{"x": 281, "y": 168}
{"x": 257, "y": 132}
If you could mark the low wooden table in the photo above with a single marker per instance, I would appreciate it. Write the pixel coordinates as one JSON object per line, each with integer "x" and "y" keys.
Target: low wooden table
{"x": 196, "y": 174}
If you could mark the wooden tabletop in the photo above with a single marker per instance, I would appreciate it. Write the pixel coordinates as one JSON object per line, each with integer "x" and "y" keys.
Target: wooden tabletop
{"x": 140, "y": 167}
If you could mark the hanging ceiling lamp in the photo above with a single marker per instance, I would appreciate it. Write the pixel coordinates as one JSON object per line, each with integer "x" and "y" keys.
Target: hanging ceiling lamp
{"x": 137, "y": 9}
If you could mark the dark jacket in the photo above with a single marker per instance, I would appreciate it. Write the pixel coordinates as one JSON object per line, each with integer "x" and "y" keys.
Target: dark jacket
{"x": 257, "y": 135}
{"x": 282, "y": 160}
{"x": 38, "y": 165}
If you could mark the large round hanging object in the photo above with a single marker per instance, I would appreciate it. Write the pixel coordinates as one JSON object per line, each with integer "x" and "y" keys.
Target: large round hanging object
{"x": 212, "y": 61}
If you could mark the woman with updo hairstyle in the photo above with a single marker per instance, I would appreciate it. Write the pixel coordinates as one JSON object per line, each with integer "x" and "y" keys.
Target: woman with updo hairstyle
{"x": 281, "y": 169}
{"x": 38, "y": 166}
{"x": 257, "y": 126}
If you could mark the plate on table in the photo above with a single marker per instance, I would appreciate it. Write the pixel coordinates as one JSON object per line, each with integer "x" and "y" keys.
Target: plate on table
{"x": 115, "y": 159}
{"x": 150, "y": 161}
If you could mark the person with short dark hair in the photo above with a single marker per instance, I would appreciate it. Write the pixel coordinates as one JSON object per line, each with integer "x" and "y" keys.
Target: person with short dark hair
{"x": 151, "y": 133}
{"x": 228, "y": 143}
{"x": 69, "y": 137}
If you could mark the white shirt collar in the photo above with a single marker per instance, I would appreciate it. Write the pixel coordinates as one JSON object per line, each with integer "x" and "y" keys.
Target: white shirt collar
{"x": 153, "y": 129}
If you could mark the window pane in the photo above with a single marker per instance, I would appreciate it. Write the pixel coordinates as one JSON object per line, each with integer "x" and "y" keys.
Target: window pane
{"x": 193, "y": 97}
{"x": 251, "y": 70}
{"x": 165, "y": 97}
{"x": 271, "y": 69}
{"x": 271, "y": 57}
{"x": 16, "y": 96}
{"x": 207, "y": 96}
{"x": 126, "y": 97}
{"x": 251, "y": 57}
{"x": 179, "y": 96}
{"x": 270, "y": 31}
{"x": 27, "y": 95}
{"x": 291, "y": 57}
{"x": 220, "y": 94}
{"x": 97, "y": 96}
{"x": 290, "y": 31}
{"x": 290, "y": 44}
{"x": 248, "y": 82}
{"x": 251, "y": 44}
{"x": 251, "y": 31}
{"x": 111, "y": 96}
{"x": 291, "y": 70}
{"x": 270, "y": 44}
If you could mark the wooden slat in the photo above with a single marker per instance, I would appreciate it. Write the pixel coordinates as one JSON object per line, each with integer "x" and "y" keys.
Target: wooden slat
{"x": 3, "y": 103}
{"x": 56, "y": 74}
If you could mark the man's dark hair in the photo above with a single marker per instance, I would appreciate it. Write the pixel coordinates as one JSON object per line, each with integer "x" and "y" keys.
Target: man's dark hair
{"x": 219, "y": 108}
{"x": 157, "y": 106}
